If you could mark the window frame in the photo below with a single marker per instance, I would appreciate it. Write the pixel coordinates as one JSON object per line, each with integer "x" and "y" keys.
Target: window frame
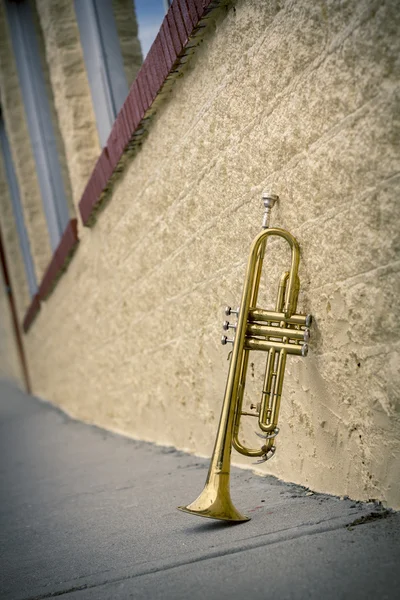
{"x": 11, "y": 180}
{"x": 38, "y": 116}
{"x": 103, "y": 59}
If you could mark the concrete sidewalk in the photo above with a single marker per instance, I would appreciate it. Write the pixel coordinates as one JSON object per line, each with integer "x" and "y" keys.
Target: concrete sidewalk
{"x": 86, "y": 514}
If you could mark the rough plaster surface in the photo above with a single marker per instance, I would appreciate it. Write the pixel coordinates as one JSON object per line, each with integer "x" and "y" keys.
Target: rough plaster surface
{"x": 300, "y": 96}
{"x": 21, "y": 149}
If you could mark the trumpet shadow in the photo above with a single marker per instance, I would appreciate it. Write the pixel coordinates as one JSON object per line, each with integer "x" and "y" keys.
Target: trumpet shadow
{"x": 212, "y": 525}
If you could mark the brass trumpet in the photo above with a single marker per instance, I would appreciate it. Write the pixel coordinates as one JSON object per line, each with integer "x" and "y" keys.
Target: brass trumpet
{"x": 279, "y": 333}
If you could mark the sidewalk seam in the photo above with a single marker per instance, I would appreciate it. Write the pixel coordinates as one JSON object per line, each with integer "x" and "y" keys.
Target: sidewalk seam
{"x": 331, "y": 525}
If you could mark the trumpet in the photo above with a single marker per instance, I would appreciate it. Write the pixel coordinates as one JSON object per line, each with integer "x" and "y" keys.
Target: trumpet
{"x": 278, "y": 332}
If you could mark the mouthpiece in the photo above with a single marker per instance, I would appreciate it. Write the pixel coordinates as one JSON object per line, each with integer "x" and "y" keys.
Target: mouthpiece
{"x": 269, "y": 200}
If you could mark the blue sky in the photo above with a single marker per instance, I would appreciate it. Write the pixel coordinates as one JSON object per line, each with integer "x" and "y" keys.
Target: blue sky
{"x": 150, "y": 14}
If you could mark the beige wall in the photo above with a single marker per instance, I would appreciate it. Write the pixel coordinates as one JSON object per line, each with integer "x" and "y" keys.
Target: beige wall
{"x": 301, "y": 96}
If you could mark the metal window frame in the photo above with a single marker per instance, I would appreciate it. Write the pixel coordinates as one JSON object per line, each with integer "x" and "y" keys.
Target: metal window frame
{"x": 167, "y": 4}
{"x": 103, "y": 60}
{"x": 11, "y": 179}
{"x": 37, "y": 109}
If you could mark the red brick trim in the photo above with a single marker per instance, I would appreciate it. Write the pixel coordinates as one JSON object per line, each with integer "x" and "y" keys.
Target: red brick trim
{"x": 60, "y": 260}
{"x": 166, "y": 55}
{"x": 31, "y": 313}
{"x": 57, "y": 266}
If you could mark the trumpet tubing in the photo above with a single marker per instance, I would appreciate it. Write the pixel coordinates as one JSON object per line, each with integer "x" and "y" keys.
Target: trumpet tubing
{"x": 277, "y": 332}
{"x": 257, "y": 314}
{"x": 280, "y": 332}
{"x": 265, "y": 345}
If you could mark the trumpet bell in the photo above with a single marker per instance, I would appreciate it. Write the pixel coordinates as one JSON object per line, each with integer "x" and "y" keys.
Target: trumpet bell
{"x": 215, "y": 502}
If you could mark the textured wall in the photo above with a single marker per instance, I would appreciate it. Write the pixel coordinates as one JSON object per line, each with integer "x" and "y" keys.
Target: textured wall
{"x": 300, "y": 96}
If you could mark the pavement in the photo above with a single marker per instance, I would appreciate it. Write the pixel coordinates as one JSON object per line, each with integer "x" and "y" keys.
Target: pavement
{"x": 88, "y": 514}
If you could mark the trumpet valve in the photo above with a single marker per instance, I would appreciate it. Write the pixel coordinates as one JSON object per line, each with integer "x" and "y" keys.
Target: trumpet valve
{"x": 225, "y": 340}
{"x": 231, "y": 311}
{"x": 226, "y": 325}
{"x": 304, "y": 350}
{"x": 307, "y": 335}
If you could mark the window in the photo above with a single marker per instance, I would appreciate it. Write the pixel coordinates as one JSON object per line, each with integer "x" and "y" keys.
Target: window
{"x": 17, "y": 210}
{"x": 37, "y": 109}
{"x": 103, "y": 59}
{"x": 150, "y": 15}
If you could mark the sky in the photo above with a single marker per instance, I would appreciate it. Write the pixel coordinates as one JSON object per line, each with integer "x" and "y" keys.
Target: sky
{"x": 150, "y": 14}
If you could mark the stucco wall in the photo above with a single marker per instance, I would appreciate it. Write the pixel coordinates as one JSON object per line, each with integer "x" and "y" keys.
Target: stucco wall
{"x": 301, "y": 96}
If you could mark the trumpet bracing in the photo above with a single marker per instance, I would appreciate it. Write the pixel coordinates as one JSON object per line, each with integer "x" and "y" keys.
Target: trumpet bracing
{"x": 278, "y": 332}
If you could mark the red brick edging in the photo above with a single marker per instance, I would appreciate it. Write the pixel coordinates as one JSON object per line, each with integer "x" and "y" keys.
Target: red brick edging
{"x": 57, "y": 266}
{"x": 31, "y": 313}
